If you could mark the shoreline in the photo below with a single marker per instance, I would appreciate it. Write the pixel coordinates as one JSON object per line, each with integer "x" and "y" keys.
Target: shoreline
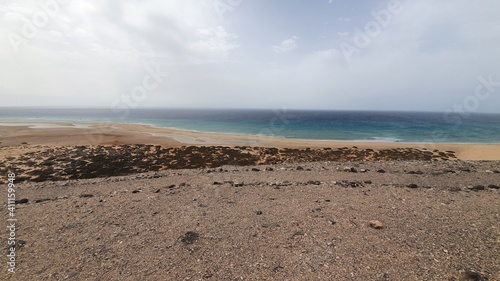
{"x": 76, "y": 133}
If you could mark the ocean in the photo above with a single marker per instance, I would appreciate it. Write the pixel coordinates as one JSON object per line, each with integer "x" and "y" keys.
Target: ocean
{"x": 372, "y": 126}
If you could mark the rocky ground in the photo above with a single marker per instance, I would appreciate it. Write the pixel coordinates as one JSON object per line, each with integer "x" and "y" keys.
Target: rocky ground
{"x": 414, "y": 219}
{"x": 41, "y": 163}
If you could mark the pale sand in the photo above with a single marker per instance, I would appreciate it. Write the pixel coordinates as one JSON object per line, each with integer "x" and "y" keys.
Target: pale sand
{"x": 66, "y": 134}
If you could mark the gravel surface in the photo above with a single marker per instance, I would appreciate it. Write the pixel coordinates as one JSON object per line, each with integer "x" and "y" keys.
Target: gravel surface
{"x": 349, "y": 220}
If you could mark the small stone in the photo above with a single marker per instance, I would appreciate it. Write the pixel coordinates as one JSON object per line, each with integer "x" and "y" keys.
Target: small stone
{"x": 332, "y": 221}
{"x": 376, "y": 224}
{"x": 478, "y": 187}
{"x": 492, "y": 186}
{"x": 255, "y": 169}
{"x": 86, "y": 195}
{"x": 136, "y": 191}
{"x": 258, "y": 213}
{"x": 314, "y": 182}
{"x": 381, "y": 171}
{"x": 21, "y": 201}
{"x": 269, "y": 169}
{"x": 190, "y": 237}
{"x": 300, "y": 168}
{"x": 471, "y": 275}
{"x": 42, "y": 200}
{"x": 412, "y": 185}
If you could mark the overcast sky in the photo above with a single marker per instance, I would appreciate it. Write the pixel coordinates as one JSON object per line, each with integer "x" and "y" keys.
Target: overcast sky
{"x": 323, "y": 54}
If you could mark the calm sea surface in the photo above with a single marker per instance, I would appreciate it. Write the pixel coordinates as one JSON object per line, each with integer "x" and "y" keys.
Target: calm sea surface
{"x": 293, "y": 124}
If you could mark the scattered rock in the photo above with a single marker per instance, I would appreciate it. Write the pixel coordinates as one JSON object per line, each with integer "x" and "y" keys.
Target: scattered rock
{"x": 492, "y": 186}
{"x": 42, "y": 200}
{"x": 314, "y": 182}
{"x": 470, "y": 275}
{"x": 478, "y": 187}
{"x": 332, "y": 221}
{"x": 412, "y": 185}
{"x": 350, "y": 169}
{"x": 238, "y": 184}
{"x": 255, "y": 169}
{"x": 21, "y": 201}
{"x": 381, "y": 171}
{"x": 300, "y": 168}
{"x": 86, "y": 195}
{"x": 136, "y": 191}
{"x": 269, "y": 169}
{"x": 278, "y": 268}
{"x": 190, "y": 237}
{"x": 376, "y": 224}
{"x": 258, "y": 213}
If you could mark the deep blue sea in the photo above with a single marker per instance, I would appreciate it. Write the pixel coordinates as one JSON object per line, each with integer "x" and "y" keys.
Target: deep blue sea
{"x": 294, "y": 124}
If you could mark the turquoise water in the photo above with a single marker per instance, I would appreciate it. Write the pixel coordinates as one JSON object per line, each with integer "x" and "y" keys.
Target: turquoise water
{"x": 293, "y": 124}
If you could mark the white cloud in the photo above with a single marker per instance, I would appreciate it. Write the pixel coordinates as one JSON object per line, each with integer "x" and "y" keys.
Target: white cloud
{"x": 287, "y": 45}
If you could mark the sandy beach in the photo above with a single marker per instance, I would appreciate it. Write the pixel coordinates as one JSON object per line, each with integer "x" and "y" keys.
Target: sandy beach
{"x": 134, "y": 202}
{"x": 66, "y": 134}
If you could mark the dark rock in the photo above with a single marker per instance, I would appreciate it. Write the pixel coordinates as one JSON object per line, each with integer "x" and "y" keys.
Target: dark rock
{"x": 86, "y": 195}
{"x": 269, "y": 169}
{"x": 300, "y": 168}
{"x": 412, "y": 185}
{"x": 478, "y": 187}
{"x": 368, "y": 182}
{"x": 171, "y": 186}
{"x": 255, "y": 169}
{"x": 332, "y": 221}
{"x": 258, "y": 212}
{"x": 136, "y": 191}
{"x": 278, "y": 268}
{"x": 381, "y": 171}
{"x": 190, "y": 237}
{"x": 21, "y": 201}
{"x": 496, "y": 172}
{"x": 21, "y": 243}
{"x": 238, "y": 184}
{"x": 314, "y": 182}
{"x": 472, "y": 275}
{"x": 492, "y": 186}
{"x": 217, "y": 183}
{"x": 42, "y": 200}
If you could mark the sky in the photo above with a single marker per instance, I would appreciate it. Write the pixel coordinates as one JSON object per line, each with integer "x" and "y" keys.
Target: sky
{"x": 408, "y": 55}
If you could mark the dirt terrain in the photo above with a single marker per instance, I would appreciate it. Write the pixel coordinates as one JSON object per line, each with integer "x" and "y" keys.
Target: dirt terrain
{"x": 299, "y": 220}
